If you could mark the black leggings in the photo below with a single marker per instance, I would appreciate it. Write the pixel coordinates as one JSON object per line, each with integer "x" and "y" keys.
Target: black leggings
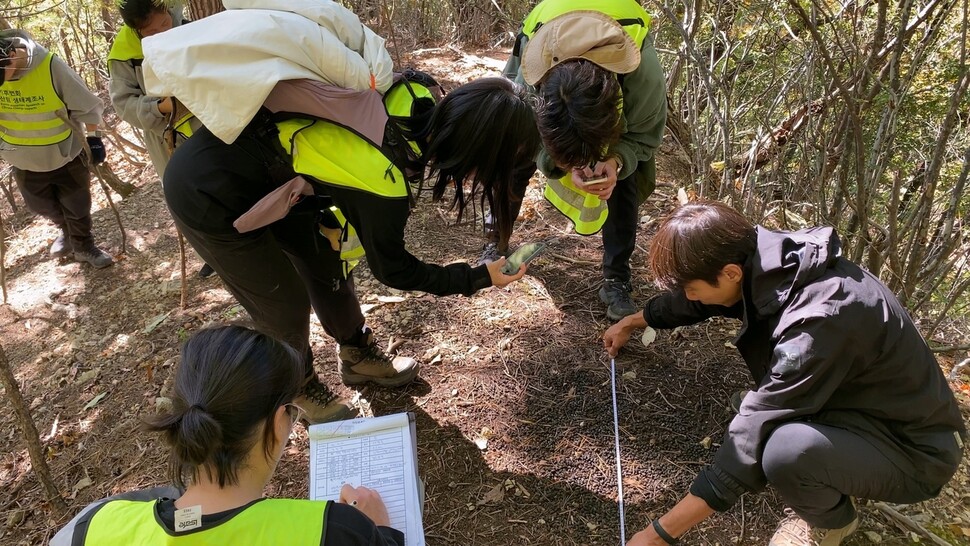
{"x": 277, "y": 272}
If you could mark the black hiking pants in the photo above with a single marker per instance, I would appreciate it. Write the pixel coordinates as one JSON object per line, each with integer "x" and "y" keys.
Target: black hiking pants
{"x": 277, "y": 272}
{"x": 816, "y": 468}
{"x": 63, "y": 196}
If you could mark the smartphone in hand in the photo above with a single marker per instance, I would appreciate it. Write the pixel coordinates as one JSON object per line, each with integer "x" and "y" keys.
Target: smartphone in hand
{"x": 522, "y": 255}
{"x": 586, "y": 182}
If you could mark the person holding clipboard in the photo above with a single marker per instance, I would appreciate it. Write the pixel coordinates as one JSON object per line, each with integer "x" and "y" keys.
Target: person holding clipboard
{"x": 232, "y": 414}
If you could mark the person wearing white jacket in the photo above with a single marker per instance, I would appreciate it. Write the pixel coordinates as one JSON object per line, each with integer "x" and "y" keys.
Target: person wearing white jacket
{"x": 291, "y": 58}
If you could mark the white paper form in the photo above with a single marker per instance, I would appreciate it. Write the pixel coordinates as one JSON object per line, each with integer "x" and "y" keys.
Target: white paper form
{"x": 379, "y": 453}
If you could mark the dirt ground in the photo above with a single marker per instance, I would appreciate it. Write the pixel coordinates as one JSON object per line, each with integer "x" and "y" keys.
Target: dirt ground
{"x": 514, "y": 416}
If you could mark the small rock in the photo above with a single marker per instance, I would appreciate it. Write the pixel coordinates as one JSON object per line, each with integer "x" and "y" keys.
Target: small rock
{"x": 873, "y": 537}
{"x": 16, "y": 517}
{"x": 163, "y": 404}
{"x": 87, "y": 376}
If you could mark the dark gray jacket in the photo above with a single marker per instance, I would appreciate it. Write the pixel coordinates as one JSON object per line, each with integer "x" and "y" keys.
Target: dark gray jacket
{"x": 825, "y": 341}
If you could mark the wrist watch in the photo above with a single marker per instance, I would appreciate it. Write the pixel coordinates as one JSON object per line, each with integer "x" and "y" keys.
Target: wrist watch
{"x": 619, "y": 164}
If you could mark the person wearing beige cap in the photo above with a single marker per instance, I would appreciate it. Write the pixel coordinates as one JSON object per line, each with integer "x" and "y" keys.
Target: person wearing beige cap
{"x": 601, "y": 115}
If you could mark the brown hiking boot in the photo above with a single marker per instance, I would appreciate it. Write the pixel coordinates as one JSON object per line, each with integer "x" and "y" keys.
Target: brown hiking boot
{"x": 794, "y": 531}
{"x": 370, "y": 364}
{"x": 320, "y": 404}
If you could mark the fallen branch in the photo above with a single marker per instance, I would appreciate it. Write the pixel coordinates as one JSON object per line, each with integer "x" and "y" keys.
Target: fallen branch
{"x": 571, "y": 260}
{"x": 6, "y": 188}
{"x": 37, "y": 461}
{"x": 908, "y": 523}
{"x": 3, "y": 259}
{"x": 950, "y": 349}
{"x": 185, "y": 284}
{"x": 122, "y": 188}
{"x": 107, "y": 193}
{"x": 957, "y": 369}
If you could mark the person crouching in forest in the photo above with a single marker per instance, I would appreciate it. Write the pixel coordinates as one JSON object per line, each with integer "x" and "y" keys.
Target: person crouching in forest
{"x": 232, "y": 414}
{"x": 850, "y": 401}
{"x": 355, "y": 164}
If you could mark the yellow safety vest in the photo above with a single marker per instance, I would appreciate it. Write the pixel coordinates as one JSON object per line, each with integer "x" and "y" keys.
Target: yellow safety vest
{"x": 269, "y": 522}
{"x": 336, "y": 155}
{"x": 127, "y": 47}
{"x": 587, "y": 212}
{"x": 29, "y": 109}
{"x": 628, "y": 13}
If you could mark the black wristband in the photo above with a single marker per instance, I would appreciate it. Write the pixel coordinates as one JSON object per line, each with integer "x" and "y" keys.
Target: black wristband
{"x": 662, "y": 533}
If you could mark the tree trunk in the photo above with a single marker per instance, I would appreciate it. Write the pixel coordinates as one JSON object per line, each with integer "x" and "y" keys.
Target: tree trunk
{"x": 204, "y": 8}
{"x": 37, "y": 460}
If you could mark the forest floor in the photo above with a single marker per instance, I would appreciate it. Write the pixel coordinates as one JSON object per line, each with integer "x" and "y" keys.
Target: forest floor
{"x": 514, "y": 416}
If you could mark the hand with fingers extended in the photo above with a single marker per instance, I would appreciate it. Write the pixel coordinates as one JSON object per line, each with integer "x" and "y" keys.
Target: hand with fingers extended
{"x": 367, "y": 501}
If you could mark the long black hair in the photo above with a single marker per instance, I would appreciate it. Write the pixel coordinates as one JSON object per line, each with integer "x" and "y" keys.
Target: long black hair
{"x": 484, "y": 131}
{"x": 231, "y": 379}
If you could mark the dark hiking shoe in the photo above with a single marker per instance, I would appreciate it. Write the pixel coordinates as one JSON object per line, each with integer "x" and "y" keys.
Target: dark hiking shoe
{"x": 61, "y": 246}
{"x": 616, "y": 295}
{"x": 98, "y": 258}
{"x": 370, "y": 364}
{"x": 794, "y": 531}
{"x": 490, "y": 253}
{"x": 736, "y": 398}
{"x": 320, "y": 404}
{"x": 206, "y": 271}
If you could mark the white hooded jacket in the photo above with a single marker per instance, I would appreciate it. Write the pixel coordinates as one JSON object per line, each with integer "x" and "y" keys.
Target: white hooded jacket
{"x": 224, "y": 66}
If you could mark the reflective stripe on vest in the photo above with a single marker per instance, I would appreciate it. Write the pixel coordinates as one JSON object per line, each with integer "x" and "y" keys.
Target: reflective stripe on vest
{"x": 294, "y": 522}
{"x": 629, "y": 13}
{"x": 587, "y": 211}
{"x": 29, "y": 109}
{"x": 127, "y": 46}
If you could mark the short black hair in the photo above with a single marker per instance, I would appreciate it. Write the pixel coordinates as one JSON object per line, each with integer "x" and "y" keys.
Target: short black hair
{"x": 231, "y": 379}
{"x": 136, "y": 12}
{"x": 483, "y": 131}
{"x": 697, "y": 240}
{"x": 579, "y": 113}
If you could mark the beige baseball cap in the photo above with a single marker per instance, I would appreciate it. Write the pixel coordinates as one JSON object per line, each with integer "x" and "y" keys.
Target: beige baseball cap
{"x": 583, "y": 34}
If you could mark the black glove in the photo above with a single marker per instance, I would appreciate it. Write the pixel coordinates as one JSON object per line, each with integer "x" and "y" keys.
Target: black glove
{"x": 98, "y": 154}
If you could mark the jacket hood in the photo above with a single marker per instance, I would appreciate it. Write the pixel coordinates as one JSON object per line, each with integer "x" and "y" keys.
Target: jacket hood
{"x": 35, "y": 52}
{"x": 787, "y": 261}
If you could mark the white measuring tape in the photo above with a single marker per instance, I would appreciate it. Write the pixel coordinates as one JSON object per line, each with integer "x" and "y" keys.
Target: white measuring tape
{"x": 616, "y": 436}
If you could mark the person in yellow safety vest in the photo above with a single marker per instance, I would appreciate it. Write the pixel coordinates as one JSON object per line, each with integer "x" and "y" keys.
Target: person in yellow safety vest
{"x": 278, "y": 270}
{"x": 602, "y": 113}
{"x": 164, "y": 122}
{"x": 44, "y": 111}
{"x": 231, "y": 416}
